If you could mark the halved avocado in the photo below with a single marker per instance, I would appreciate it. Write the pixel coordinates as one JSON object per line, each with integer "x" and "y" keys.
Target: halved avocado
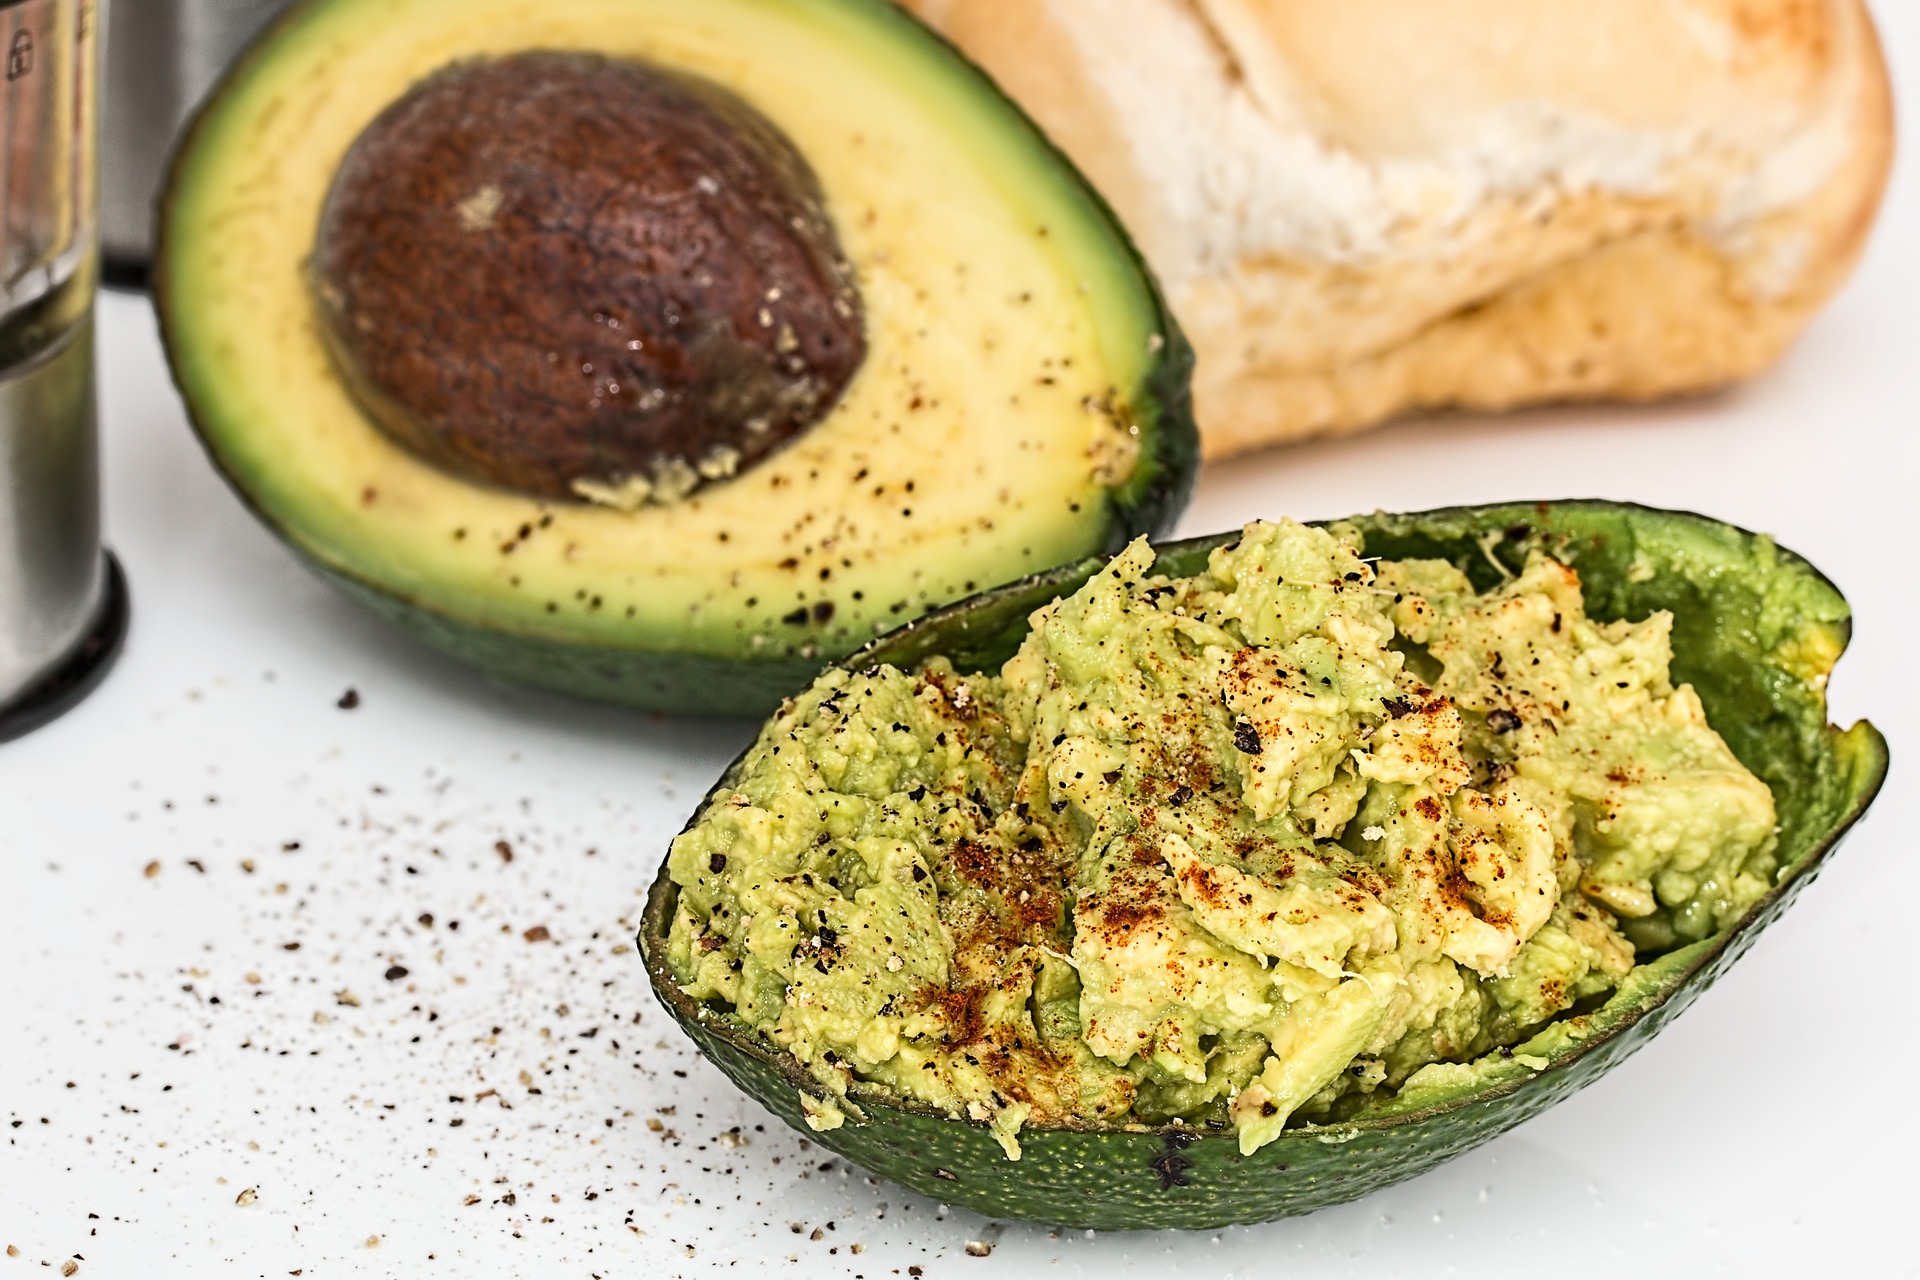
{"x": 1756, "y": 630}
{"x": 1021, "y": 399}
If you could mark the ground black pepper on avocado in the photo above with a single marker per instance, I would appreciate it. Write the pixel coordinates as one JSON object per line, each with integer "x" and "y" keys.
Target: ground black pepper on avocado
{"x": 1246, "y": 848}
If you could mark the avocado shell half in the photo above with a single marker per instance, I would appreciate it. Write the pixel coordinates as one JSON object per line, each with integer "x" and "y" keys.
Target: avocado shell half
{"x": 1756, "y": 629}
{"x": 235, "y": 227}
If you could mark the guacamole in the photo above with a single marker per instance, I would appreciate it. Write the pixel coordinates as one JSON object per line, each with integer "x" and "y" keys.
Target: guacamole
{"x": 1237, "y": 850}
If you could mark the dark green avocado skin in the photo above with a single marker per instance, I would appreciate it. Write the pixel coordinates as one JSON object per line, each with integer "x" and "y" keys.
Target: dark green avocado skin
{"x": 1744, "y": 612}
{"x": 667, "y": 680}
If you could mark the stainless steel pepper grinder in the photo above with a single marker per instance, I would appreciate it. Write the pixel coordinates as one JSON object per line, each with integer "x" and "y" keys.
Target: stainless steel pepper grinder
{"x": 63, "y": 600}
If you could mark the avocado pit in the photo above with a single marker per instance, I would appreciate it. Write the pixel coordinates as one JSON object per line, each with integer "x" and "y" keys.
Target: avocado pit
{"x": 574, "y": 277}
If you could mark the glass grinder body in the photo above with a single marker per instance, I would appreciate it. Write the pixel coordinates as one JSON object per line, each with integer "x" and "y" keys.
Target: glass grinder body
{"x": 63, "y": 609}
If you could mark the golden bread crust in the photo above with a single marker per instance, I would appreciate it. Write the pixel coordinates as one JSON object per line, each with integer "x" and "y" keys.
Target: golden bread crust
{"x": 1387, "y": 206}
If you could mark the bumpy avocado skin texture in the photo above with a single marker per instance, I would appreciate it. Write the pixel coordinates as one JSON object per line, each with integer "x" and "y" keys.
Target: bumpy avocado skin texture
{"x": 650, "y": 667}
{"x": 1756, "y": 629}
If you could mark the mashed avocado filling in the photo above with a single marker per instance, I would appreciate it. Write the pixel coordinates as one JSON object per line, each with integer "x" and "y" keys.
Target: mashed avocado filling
{"x": 1234, "y": 850}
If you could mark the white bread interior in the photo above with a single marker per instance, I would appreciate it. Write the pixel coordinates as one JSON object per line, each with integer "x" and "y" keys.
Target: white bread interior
{"x": 1366, "y": 208}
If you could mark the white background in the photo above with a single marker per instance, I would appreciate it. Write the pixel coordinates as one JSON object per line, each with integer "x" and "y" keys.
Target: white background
{"x": 1771, "y": 1131}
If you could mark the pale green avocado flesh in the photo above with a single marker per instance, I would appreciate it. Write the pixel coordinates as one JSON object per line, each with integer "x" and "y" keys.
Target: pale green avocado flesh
{"x": 1238, "y": 938}
{"x": 1023, "y": 401}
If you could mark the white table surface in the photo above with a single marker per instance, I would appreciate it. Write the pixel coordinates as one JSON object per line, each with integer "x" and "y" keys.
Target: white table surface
{"x": 184, "y": 1093}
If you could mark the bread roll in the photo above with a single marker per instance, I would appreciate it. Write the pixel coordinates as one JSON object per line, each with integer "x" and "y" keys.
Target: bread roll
{"x": 1365, "y": 208}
